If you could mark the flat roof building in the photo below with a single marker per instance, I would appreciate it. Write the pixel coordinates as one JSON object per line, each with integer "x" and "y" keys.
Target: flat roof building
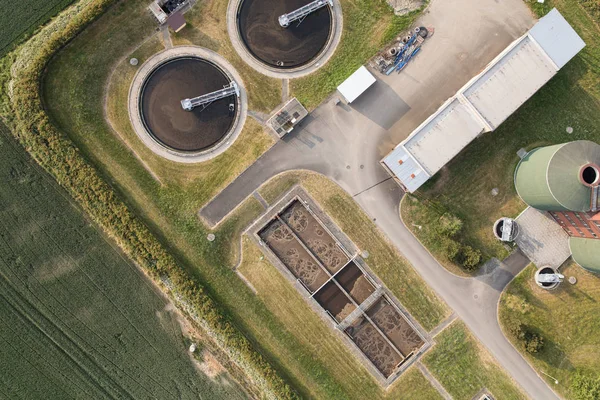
{"x": 356, "y": 84}
{"x": 485, "y": 101}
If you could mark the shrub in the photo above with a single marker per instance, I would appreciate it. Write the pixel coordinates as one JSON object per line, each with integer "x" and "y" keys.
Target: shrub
{"x": 448, "y": 225}
{"x": 450, "y": 247}
{"x": 585, "y": 386}
{"x": 528, "y": 340}
{"x": 469, "y": 258}
{"x": 533, "y": 342}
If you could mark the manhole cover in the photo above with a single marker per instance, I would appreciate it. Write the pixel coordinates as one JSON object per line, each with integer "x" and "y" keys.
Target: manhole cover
{"x": 572, "y": 280}
{"x": 362, "y": 166}
{"x": 347, "y": 167}
{"x": 569, "y": 129}
{"x": 211, "y": 237}
{"x": 475, "y": 296}
{"x": 133, "y": 61}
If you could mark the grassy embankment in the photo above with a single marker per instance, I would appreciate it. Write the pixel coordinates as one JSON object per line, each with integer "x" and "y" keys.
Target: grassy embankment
{"x": 74, "y": 90}
{"x": 289, "y": 306}
{"x": 22, "y": 18}
{"x": 368, "y": 25}
{"x": 78, "y": 320}
{"x": 568, "y": 319}
{"x": 464, "y": 367}
{"x": 384, "y": 260}
{"x": 571, "y": 98}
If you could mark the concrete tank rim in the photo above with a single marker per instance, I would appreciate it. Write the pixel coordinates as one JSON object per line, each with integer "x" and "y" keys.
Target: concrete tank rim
{"x": 337, "y": 25}
{"x": 148, "y": 139}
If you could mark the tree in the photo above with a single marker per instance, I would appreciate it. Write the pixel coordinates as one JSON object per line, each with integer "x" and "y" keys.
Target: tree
{"x": 533, "y": 343}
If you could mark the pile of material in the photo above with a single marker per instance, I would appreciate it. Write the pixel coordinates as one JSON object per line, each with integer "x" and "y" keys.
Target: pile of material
{"x": 396, "y": 56}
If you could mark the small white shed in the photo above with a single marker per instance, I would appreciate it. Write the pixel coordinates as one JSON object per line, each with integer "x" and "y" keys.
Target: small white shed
{"x": 356, "y": 84}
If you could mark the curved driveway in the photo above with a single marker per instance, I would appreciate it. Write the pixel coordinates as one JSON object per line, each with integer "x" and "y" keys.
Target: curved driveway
{"x": 346, "y": 143}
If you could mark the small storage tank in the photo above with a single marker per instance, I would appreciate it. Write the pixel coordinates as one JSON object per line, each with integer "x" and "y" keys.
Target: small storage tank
{"x": 506, "y": 229}
{"x": 548, "y": 278}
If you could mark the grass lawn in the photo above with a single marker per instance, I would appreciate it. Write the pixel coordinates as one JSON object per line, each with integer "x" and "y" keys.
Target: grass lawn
{"x": 78, "y": 319}
{"x": 23, "y": 18}
{"x": 571, "y": 98}
{"x": 567, "y": 318}
{"x": 75, "y": 94}
{"x": 318, "y": 337}
{"x": 368, "y": 25}
{"x": 168, "y": 199}
{"x": 464, "y": 367}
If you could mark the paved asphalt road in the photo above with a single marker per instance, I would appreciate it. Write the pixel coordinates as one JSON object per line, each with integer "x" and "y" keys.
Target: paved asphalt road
{"x": 345, "y": 143}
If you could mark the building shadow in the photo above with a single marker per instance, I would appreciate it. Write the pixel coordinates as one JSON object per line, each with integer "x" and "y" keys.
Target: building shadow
{"x": 381, "y": 104}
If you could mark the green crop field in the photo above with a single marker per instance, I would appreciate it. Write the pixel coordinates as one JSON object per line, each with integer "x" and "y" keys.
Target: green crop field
{"x": 77, "y": 319}
{"x": 23, "y": 17}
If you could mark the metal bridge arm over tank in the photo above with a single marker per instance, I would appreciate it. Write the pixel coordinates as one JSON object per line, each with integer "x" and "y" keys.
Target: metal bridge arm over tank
{"x": 286, "y": 19}
{"x": 207, "y": 99}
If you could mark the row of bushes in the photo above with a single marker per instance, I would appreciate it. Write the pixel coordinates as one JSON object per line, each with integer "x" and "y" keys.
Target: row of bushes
{"x": 59, "y": 156}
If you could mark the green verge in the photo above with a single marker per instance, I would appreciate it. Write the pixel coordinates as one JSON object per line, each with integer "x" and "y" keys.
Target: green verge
{"x": 570, "y": 99}
{"x": 384, "y": 260}
{"x": 464, "y": 367}
{"x": 319, "y": 336}
{"x": 76, "y": 316}
{"x": 57, "y": 154}
{"x": 368, "y": 25}
{"x": 568, "y": 320}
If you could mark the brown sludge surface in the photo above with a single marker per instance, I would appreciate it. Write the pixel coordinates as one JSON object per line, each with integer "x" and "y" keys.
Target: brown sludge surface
{"x": 168, "y": 122}
{"x": 395, "y": 326}
{"x": 314, "y": 236}
{"x": 280, "y": 47}
{"x": 355, "y": 283}
{"x": 282, "y": 242}
{"x": 374, "y": 346}
{"x": 331, "y": 298}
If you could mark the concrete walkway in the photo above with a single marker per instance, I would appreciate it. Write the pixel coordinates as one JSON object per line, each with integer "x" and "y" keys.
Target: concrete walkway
{"x": 345, "y": 143}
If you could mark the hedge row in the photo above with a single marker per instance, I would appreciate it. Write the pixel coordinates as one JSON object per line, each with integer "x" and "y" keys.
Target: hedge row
{"x": 57, "y": 154}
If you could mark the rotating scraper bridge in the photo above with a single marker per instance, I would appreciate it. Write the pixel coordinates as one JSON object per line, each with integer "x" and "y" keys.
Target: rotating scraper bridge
{"x": 207, "y": 99}
{"x": 299, "y": 14}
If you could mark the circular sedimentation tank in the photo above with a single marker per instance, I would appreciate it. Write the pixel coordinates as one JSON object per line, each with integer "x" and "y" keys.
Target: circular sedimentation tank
{"x": 198, "y": 130}
{"x": 294, "y": 47}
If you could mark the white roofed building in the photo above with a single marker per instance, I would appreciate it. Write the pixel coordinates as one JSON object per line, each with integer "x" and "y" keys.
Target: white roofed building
{"x": 356, "y": 84}
{"x": 485, "y": 101}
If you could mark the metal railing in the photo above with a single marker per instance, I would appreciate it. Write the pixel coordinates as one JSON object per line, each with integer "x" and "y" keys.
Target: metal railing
{"x": 207, "y": 99}
{"x": 298, "y": 15}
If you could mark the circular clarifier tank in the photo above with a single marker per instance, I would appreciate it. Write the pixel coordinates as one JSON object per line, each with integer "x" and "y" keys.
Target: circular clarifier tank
{"x": 278, "y": 47}
{"x": 200, "y": 129}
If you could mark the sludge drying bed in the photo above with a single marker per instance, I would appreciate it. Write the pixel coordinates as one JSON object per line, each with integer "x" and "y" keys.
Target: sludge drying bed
{"x": 304, "y": 248}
